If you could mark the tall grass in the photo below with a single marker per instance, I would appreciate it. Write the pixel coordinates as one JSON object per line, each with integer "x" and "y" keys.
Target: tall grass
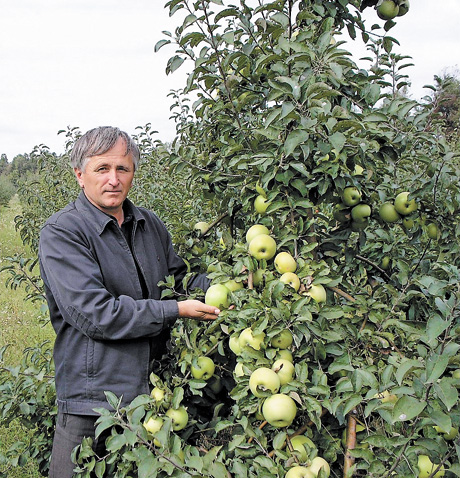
{"x": 21, "y": 325}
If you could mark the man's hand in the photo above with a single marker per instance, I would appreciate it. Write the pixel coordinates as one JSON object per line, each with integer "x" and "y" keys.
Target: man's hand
{"x": 194, "y": 309}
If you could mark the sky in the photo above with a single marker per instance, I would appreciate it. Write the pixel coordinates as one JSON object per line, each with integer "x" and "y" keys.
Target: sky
{"x": 87, "y": 63}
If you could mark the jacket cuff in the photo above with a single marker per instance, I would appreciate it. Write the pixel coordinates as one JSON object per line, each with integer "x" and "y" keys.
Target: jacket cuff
{"x": 171, "y": 313}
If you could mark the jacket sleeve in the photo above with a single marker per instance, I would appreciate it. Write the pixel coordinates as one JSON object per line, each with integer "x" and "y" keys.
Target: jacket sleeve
{"x": 75, "y": 289}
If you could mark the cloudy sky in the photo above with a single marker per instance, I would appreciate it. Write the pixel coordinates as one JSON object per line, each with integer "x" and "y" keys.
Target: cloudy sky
{"x": 86, "y": 63}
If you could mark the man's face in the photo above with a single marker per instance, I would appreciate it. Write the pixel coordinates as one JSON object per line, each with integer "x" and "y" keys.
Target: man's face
{"x": 107, "y": 178}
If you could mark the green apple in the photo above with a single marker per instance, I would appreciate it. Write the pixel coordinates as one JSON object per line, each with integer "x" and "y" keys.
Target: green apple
{"x": 262, "y": 247}
{"x": 385, "y": 262}
{"x": 351, "y": 196}
{"x": 264, "y": 381}
{"x": 232, "y": 285}
{"x": 282, "y": 340}
{"x": 388, "y": 213}
{"x": 302, "y": 444}
{"x": 258, "y": 277}
{"x": 341, "y": 213}
{"x": 317, "y": 292}
{"x": 318, "y": 463}
{"x": 285, "y": 370}
{"x": 361, "y": 212}
{"x": 386, "y": 397}
{"x": 279, "y": 410}
{"x": 153, "y": 425}
{"x": 284, "y": 262}
{"x": 217, "y": 296}
{"x": 291, "y": 279}
{"x": 202, "y": 227}
{"x": 203, "y": 369}
{"x": 261, "y": 204}
{"x": 284, "y": 354}
{"x": 179, "y": 418}
{"x": 238, "y": 370}
{"x": 249, "y": 339}
{"x": 450, "y": 435}
{"x": 403, "y": 205}
{"x": 408, "y": 223}
{"x": 157, "y": 394}
{"x": 432, "y": 230}
{"x": 403, "y": 7}
{"x": 357, "y": 226}
{"x": 234, "y": 344}
{"x": 256, "y": 230}
{"x": 426, "y": 468}
{"x": 298, "y": 471}
{"x": 387, "y": 10}
{"x": 456, "y": 374}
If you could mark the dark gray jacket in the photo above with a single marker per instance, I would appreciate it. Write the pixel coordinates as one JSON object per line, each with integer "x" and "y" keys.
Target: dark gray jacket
{"x": 104, "y": 327}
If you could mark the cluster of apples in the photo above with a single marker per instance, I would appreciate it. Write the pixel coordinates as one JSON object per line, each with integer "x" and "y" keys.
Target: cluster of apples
{"x": 278, "y": 409}
{"x": 262, "y": 246}
{"x": 389, "y": 9}
{"x": 202, "y": 368}
{"x": 179, "y": 416}
{"x": 353, "y": 208}
{"x": 403, "y": 208}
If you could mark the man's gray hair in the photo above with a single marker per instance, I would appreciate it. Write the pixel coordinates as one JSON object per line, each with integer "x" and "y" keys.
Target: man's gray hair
{"x": 98, "y": 141}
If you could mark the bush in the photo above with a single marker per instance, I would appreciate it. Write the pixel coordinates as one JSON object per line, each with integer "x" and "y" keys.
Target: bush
{"x": 7, "y": 190}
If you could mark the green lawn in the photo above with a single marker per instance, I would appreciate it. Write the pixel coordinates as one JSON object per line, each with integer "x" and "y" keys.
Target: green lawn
{"x": 22, "y": 325}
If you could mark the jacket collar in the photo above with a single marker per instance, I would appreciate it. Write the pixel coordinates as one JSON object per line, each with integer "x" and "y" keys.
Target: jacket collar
{"x": 99, "y": 218}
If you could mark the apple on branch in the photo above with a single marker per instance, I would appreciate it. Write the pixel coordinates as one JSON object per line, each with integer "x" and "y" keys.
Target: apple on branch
{"x": 285, "y": 370}
{"x": 264, "y": 381}
{"x": 279, "y": 410}
{"x": 404, "y": 205}
{"x": 302, "y": 445}
{"x": 291, "y": 279}
{"x": 249, "y": 339}
{"x": 282, "y": 340}
{"x": 179, "y": 418}
{"x": 203, "y": 369}
{"x": 256, "y": 230}
{"x": 351, "y": 196}
{"x": 262, "y": 247}
{"x": 317, "y": 292}
{"x": 284, "y": 262}
{"x": 299, "y": 471}
{"x": 217, "y": 296}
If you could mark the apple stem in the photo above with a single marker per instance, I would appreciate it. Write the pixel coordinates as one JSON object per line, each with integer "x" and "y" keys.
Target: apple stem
{"x": 350, "y": 444}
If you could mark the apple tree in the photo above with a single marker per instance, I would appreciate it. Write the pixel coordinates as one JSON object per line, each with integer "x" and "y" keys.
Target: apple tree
{"x": 349, "y": 365}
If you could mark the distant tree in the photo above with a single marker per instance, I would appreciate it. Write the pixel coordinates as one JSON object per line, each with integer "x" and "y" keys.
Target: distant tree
{"x": 446, "y": 98}
{"x": 3, "y": 164}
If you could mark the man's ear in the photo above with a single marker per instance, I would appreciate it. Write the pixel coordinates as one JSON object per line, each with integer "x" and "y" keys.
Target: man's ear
{"x": 78, "y": 174}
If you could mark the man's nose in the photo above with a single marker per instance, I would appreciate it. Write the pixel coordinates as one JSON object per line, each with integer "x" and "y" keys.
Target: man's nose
{"x": 113, "y": 177}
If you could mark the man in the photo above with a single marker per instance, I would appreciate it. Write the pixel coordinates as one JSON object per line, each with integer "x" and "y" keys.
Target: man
{"x": 101, "y": 259}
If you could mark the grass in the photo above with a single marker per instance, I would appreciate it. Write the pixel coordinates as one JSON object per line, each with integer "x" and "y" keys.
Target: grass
{"x": 21, "y": 326}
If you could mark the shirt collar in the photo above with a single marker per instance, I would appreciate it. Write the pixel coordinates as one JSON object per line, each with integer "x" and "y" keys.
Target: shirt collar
{"x": 99, "y": 218}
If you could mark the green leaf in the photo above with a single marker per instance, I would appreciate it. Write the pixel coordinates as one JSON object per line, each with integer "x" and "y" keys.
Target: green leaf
{"x": 435, "y": 367}
{"x": 338, "y": 140}
{"x": 435, "y": 326}
{"x": 161, "y": 44}
{"x": 407, "y": 408}
{"x": 447, "y": 392}
{"x": 294, "y": 139}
